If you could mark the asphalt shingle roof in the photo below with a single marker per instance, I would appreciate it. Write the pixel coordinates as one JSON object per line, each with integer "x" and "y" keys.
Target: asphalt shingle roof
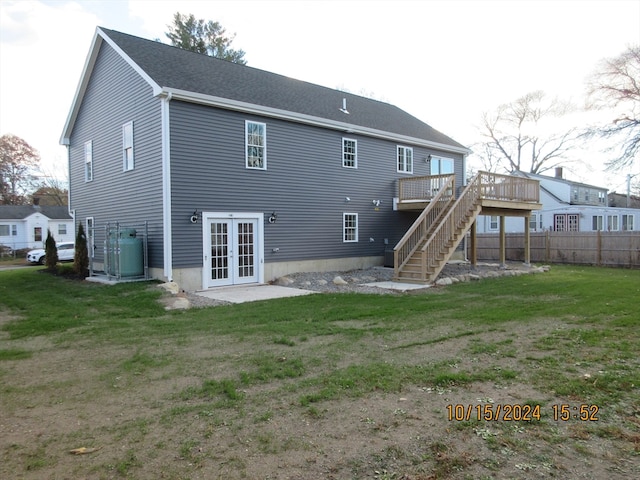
{"x": 19, "y": 212}
{"x": 172, "y": 67}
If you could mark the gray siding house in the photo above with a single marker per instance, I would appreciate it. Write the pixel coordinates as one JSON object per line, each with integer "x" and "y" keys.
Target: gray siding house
{"x": 242, "y": 175}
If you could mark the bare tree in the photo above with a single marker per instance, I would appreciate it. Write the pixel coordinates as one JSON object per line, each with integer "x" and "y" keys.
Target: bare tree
{"x": 521, "y": 135}
{"x": 615, "y": 86}
{"x": 18, "y": 161}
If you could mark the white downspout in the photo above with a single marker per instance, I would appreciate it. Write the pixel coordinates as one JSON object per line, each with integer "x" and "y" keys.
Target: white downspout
{"x": 166, "y": 190}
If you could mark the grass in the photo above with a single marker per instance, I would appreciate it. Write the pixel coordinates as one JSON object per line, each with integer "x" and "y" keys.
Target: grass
{"x": 236, "y": 373}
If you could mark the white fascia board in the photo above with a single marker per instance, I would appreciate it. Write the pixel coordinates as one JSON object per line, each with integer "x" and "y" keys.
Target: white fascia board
{"x": 229, "y": 104}
{"x": 132, "y": 64}
{"x": 89, "y": 64}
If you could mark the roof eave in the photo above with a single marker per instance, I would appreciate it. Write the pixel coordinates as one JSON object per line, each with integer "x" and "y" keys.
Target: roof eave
{"x": 350, "y": 128}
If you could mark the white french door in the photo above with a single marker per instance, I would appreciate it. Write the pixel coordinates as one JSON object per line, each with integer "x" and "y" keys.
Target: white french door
{"x": 232, "y": 250}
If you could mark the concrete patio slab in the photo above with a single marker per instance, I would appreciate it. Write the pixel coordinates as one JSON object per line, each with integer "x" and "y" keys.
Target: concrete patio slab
{"x": 401, "y": 287}
{"x": 252, "y": 293}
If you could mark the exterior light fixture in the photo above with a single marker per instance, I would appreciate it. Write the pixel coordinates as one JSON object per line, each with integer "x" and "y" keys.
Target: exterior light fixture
{"x": 273, "y": 217}
{"x": 194, "y": 217}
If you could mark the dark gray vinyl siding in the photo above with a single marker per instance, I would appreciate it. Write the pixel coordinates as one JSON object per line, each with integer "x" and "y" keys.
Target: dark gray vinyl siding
{"x": 304, "y": 184}
{"x": 116, "y": 95}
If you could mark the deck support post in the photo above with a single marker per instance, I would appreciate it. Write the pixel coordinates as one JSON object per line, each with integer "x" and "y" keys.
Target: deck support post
{"x": 474, "y": 244}
{"x": 527, "y": 242}
{"x": 503, "y": 243}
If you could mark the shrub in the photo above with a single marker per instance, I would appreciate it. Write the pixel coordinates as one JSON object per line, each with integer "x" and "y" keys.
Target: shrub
{"x": 50, "y": 252}
{"x": 81, "y": 255}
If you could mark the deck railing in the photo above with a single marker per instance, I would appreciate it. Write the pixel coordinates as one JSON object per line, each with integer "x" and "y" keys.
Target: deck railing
{"x": 421, "y": 188}
{"x": 494, "y": 186}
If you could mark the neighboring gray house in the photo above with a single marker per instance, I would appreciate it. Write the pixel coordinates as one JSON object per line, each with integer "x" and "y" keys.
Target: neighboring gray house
{"x": 568, "y": 206}
{"x": 242, "y": 175}
{"x": 25, "y": 226}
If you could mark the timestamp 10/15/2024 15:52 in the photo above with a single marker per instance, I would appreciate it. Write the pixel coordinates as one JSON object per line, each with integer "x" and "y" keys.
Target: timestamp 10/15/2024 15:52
{"x": 525, "y": 412}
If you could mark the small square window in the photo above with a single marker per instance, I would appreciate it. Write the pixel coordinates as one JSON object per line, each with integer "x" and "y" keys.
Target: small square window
{"x": 62, "y": 229}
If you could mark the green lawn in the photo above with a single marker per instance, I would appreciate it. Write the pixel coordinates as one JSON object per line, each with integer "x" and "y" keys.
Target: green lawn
{"x": 324, "y": 386}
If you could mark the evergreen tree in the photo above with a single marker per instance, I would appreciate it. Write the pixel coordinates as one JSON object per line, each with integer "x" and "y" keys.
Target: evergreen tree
{"x": 81, "y": 256}
{"x": 50, "y": 252}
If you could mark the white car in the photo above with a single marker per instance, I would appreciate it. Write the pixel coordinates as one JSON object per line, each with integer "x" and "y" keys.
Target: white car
{"x": 66, "y": 252}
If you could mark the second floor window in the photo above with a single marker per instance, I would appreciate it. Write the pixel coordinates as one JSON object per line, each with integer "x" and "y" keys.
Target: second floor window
{"x": 405, "y": 159}
{"x": 256, "y": 145}
{"x": 127, "y": 146}
{"x": 88, "y": 161}
{"x": 349, "y": 153}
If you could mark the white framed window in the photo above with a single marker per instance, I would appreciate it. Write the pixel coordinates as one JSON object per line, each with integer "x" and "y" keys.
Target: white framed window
{"x": 627, "y": 223}
{"x": 493, "y": 222}
{"x": 597, "y": 222}
{"x": 127, "y": 147}
{"x": 405, "y": 159}
{"x": 533, "y": 221}
{"x": 88, "y": 161}
{"x": 88, "y": 232}
{"x": 62, "y": 229}
{"x": 349, "y": 153}
{"x": 4, "y": 230}
{"x": 349, "y": 227}
{"x": 441, "y": 165}
{"x": 612, "y": 223}
{"x": 566, "y": 222}
{"x": 256, "y": 145}
{"x": 601, "y": 197}
{"x": 572, "y": 222}
{"x": 14, "y": 230}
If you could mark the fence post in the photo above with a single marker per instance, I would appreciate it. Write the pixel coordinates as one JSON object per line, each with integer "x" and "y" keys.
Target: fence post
{"x": 547, "y": 254}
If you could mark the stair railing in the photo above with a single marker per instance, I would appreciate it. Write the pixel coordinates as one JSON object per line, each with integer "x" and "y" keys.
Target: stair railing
{"x": 455, "y": 219}
{"x": 426, "y": 220}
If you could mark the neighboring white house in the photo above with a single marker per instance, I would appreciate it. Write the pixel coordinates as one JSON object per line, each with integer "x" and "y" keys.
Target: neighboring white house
{"x": 567, "y": 207}
{"x": 25, "y": 226}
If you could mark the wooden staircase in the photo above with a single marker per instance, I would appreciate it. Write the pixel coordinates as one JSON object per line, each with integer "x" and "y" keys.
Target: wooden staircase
{"x": 427, "y": 246}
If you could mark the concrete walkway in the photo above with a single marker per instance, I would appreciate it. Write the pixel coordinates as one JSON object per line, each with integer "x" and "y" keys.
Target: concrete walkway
{"x": 252, "y": 293}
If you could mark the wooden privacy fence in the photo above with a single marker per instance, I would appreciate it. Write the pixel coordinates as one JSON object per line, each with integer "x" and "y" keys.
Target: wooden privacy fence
{"x": 616, "y": 249}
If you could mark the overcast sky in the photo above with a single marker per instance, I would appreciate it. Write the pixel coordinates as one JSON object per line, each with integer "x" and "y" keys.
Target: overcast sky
{"x": 444, "y": 62}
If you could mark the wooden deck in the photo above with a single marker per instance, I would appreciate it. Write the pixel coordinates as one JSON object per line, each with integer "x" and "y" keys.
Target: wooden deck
{"x": 445, "y": 217}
